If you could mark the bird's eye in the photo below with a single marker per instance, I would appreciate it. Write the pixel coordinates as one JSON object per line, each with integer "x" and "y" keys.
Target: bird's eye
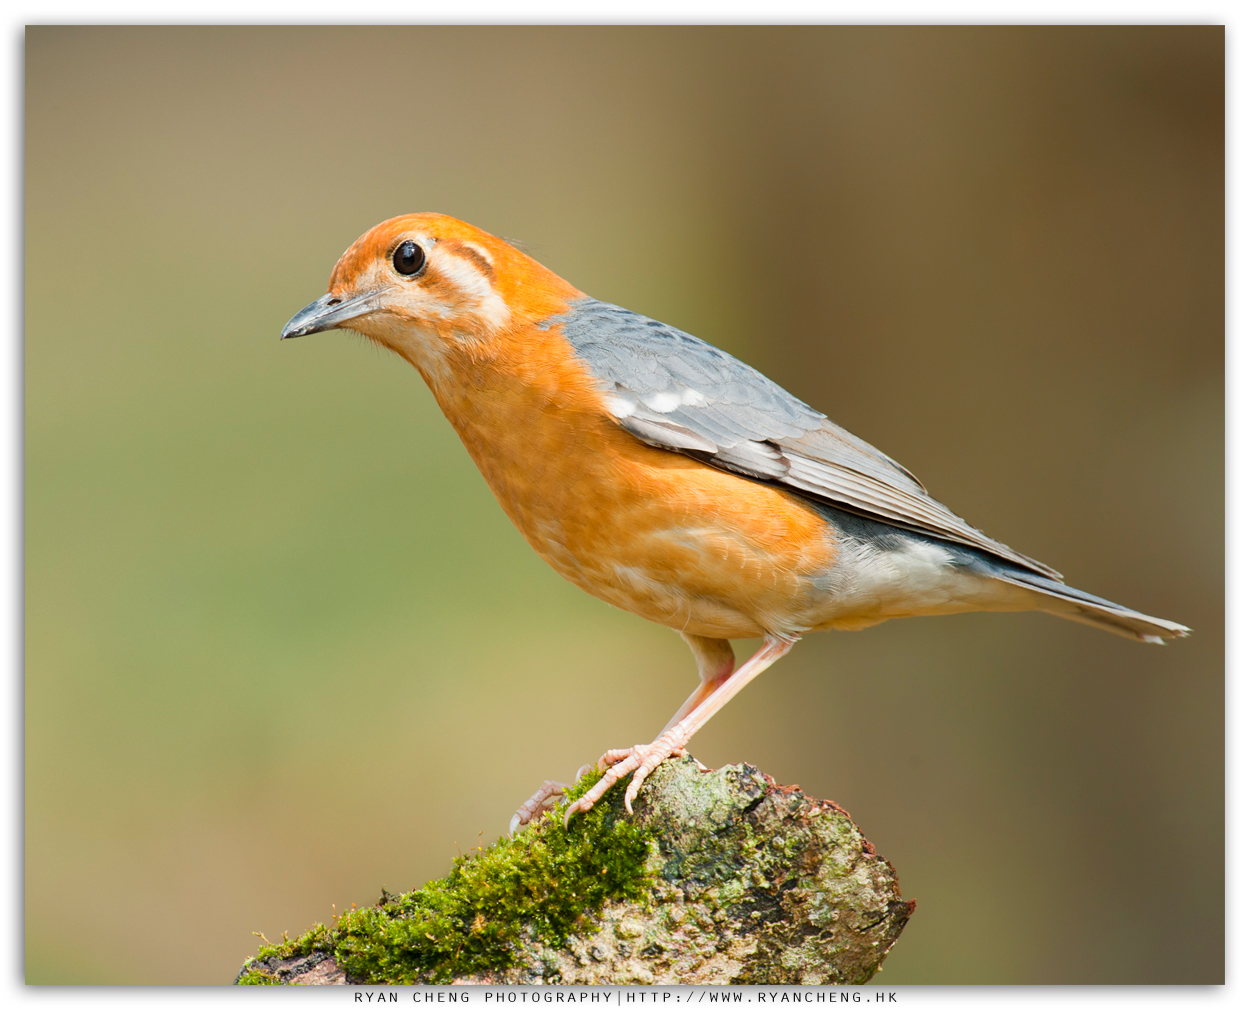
{"x": 408, "y": 258}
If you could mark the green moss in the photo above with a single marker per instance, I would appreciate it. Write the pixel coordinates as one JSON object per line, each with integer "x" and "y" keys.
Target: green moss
{"x": 256, "y": 976}
{"x": 546, "y": 882}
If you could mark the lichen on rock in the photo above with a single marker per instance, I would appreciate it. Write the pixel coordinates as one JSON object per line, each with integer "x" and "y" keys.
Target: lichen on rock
{"x": 718, "y": 877}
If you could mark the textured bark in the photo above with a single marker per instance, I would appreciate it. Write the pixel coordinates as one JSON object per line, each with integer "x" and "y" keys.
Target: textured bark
{"x": 751, "y": 882}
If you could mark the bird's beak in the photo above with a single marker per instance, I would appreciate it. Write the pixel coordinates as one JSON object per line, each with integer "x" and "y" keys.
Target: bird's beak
{"x": 326, "y": 313}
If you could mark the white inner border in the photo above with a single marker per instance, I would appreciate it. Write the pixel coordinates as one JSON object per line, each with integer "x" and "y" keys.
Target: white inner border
{"x": 1233, "y": 15}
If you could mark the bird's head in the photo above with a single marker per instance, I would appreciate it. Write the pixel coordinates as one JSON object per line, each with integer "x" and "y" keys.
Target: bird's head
{"x": 427, "y": 284}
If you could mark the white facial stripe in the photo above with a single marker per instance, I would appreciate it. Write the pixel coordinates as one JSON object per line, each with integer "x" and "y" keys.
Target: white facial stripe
{"x": 473, "y": 285}
{"x": 481, "y": 251}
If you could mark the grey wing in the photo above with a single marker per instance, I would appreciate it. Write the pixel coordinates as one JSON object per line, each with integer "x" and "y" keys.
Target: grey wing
{"x": 677, "y": 392}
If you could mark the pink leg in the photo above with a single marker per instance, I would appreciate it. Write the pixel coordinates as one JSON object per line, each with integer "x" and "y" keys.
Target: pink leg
{"x": 715, "y": 659}
{"x": 645, "y": 758}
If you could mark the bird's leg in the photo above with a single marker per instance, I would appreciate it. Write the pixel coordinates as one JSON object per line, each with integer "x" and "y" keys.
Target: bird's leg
{"x": 645, "y": 758}
{"x": 542, "y": 800}
{"x": 715, "y": 659}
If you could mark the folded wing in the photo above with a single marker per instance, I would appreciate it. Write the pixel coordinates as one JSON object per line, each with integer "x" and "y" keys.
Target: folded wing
{"x": 677, "y": 392}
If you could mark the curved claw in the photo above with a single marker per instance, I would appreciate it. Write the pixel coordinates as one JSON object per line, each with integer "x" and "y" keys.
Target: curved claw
{"x": 612, "y": 757}
{"x": 702, "y": 705}
{"x": 642, "y": 760}
{"x": 635, "y": 784}
{"x": 665, "y": 746}
{"x": 574, "y": 808}
{"x": 620, "y": 767}
{"x": 543, "y": 799}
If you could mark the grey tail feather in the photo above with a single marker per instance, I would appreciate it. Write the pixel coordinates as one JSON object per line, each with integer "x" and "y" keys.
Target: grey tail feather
{"x": 1078, "y": 606}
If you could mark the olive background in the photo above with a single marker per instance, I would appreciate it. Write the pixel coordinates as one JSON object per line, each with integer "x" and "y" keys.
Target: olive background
{"x": 284, "y": 649}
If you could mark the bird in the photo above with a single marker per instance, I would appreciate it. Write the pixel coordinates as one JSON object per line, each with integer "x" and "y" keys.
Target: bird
{"x": 668, "y": 478}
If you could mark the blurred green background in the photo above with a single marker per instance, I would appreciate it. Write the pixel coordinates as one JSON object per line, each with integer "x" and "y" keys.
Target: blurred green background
{"x": 284, "y": 649}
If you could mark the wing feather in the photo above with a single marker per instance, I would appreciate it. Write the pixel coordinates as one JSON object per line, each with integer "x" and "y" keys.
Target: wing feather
{"x": 676, "y": 392}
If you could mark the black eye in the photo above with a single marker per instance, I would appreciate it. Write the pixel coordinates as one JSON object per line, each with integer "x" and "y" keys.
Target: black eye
{"x": 408, "y": 258}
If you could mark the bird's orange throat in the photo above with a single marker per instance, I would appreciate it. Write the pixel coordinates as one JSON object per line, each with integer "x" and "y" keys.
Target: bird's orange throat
{"x": 653, "y": 532}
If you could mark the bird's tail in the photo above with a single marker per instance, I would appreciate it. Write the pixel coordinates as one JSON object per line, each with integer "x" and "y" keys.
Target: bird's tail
{"x": 1064, "y": 601}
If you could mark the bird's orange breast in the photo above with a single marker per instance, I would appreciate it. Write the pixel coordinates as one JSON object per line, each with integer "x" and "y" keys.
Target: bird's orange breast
{"x": 653, "y": 532}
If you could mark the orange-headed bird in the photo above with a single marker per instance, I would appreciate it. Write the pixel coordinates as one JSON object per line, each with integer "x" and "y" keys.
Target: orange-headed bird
{"x": 665, "y": 476}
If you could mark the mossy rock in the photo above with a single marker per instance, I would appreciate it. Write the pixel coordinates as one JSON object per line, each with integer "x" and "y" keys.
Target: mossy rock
{"x": 718, "y": 876}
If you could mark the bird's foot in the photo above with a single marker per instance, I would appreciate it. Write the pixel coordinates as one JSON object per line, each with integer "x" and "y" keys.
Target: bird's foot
{"x": 542, "y": 801}
{"x": 642, "y": 760}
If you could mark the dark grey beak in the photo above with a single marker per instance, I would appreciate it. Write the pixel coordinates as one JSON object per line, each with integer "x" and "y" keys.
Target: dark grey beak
{"x": 326, "y": 313}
